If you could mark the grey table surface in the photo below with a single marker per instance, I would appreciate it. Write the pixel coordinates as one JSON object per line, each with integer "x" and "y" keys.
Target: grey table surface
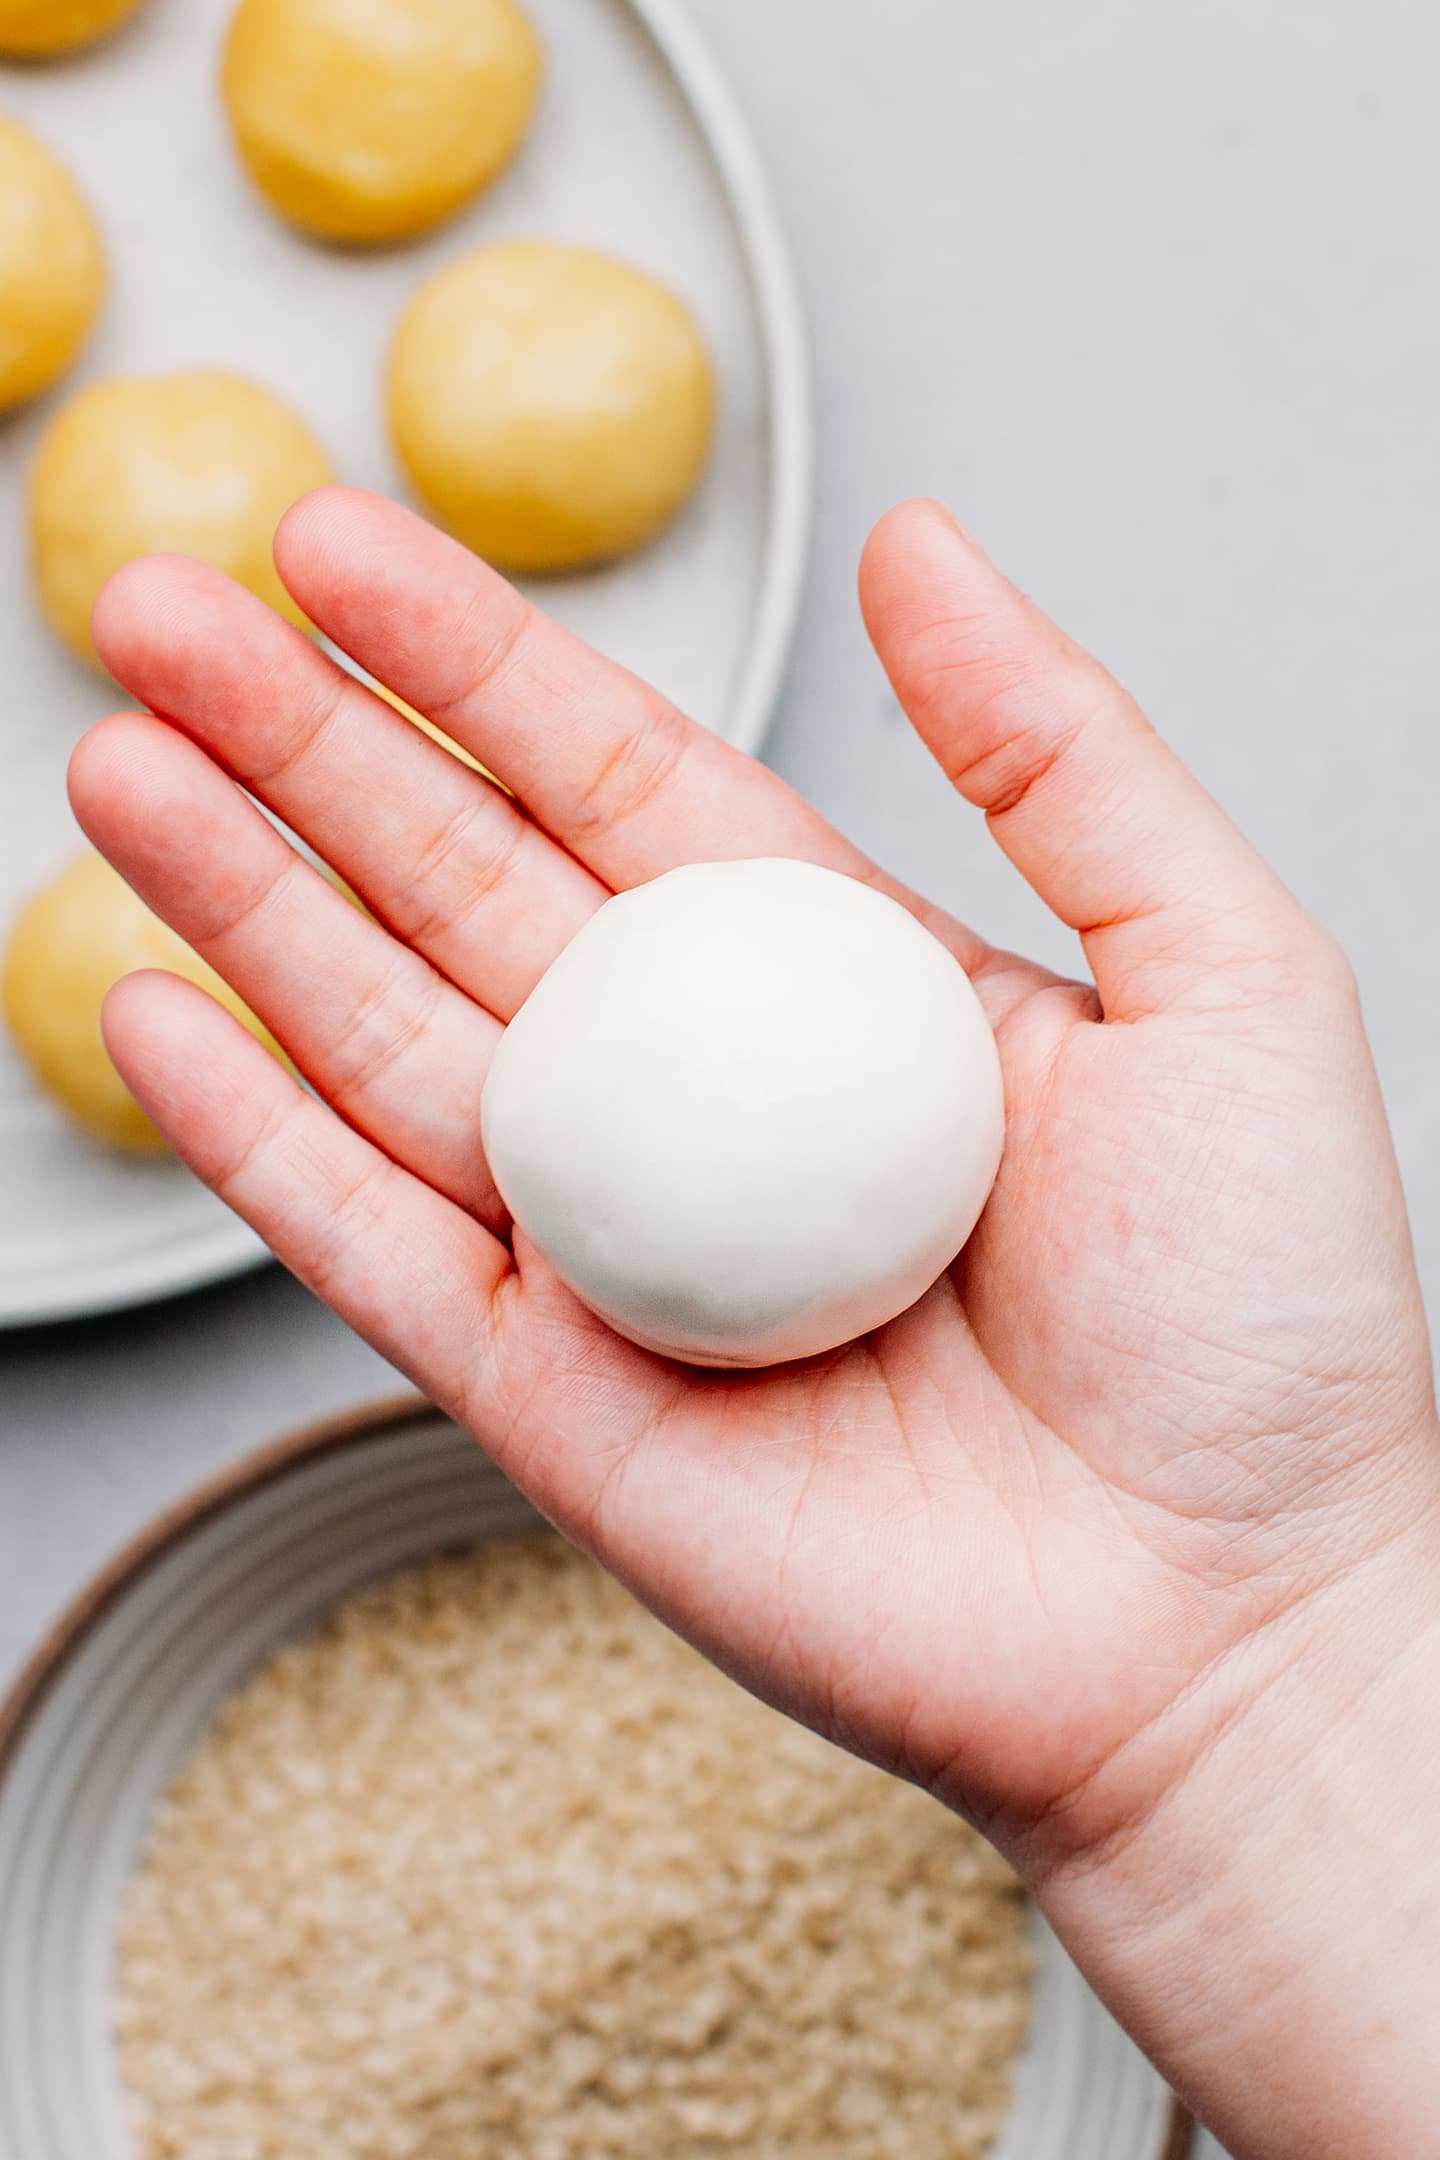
{"x": 1150, "y": 295}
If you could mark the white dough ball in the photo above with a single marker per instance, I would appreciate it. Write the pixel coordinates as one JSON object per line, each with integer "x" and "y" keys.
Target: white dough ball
{"x": 752, "y": 1111}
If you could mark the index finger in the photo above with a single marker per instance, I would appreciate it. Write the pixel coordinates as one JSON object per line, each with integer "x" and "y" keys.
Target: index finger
{"x": 605, "y": 763}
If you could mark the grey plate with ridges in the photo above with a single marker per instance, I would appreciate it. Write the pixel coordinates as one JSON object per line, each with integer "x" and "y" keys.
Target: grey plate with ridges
{"x": 132, "y": 1676}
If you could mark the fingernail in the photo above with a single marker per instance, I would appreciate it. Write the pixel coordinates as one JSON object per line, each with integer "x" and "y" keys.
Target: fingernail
{"x": 957, "y": 526}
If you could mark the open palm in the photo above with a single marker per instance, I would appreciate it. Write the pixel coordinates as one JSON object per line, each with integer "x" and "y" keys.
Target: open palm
{"x": 1018, "y": 1543}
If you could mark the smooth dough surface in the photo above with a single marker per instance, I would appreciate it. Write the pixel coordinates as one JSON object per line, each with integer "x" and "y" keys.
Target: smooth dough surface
{"x": 752, "y": 1110}
{"x": 72, "y": 942}
{"x": 52, "y": 266}
{"x": 204, "y": 464}
{"x": 31, "y": 28}
{"x": 369, "y": 120}
{"x": 552, "y": 406}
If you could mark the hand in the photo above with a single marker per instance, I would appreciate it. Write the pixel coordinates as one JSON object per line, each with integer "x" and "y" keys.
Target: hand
{"x": 1069, "y": 1541}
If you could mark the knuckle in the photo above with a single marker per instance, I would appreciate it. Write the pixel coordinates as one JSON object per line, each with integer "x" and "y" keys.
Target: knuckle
{"x": 634, "y": 774}
{"x": 493, "y": 638}
{"x": 1303, "y": 964}
{"x": 463, "y": 868}
{"x": 1012, "y": 709}
{"x": 354, "y": 1210}
{"x": 239, "y": 918}
{"x": 388, "y": 1020}
{"x": 265, "y": 1136}
{"x": 308, "y": 732}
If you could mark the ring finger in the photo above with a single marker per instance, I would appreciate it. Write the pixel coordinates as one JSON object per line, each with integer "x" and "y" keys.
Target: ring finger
{"x": 397, "y": 1049}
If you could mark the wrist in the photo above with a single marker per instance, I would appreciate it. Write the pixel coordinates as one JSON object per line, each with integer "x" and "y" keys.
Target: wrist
{"x": 1265, "y": 1916}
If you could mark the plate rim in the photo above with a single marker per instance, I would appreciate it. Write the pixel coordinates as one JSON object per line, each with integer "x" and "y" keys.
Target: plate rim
{"x": 365, "y": 1424}
{"x": 162, "y": 1272}
{"x": 232, "y": 1250}
{"x": 786, "y": 358}
{"x": 40, "y": 1673}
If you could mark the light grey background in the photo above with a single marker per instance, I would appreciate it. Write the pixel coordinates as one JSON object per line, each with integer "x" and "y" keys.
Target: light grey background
{"x": 1150, "y": 295}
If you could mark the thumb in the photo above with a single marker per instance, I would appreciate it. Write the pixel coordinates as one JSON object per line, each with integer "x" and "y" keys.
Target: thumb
{"x": 1175, "y": 908}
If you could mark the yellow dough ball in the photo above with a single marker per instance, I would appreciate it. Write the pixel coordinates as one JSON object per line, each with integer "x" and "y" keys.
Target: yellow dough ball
{"x": 52, "y": 266}
{"x": 29, "y": 29}
{"x": 368, "y": 120}
{"x": 72, "y": 942}
{"x": 203, "y": 465}
{"x": 552, "y": 407}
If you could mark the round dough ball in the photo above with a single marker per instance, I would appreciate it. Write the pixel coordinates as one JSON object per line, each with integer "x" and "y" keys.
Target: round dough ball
{"x": 52, "y": 266}
{"x": 752, "y": 1111}
{"x": 29, "y": 29}
{"x": 71, "y": 944}
{"x": 551, "y": 406}
{"x": 203, "y": 465}
{"x": 371, "y": 122}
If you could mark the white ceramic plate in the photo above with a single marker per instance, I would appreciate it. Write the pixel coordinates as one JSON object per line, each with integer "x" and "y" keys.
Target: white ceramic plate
{"x": 638, "y": 149}
{"x": 116, "y": 1697}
